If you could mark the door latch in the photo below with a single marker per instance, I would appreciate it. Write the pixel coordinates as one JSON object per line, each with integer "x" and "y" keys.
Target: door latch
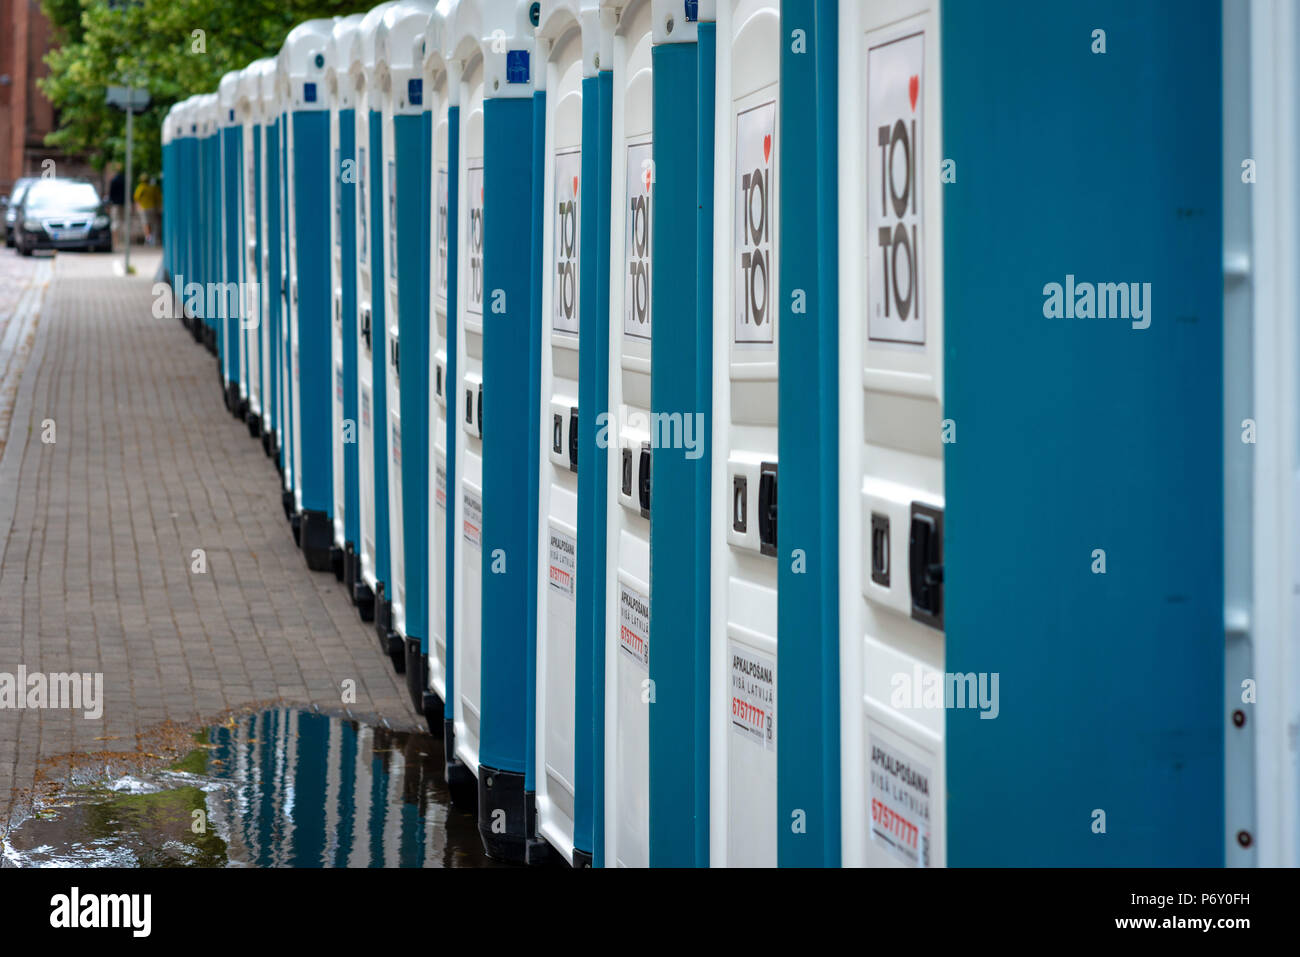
{"x": 365, "y": 327}
{"x": 925, "y": 564}
{"x": 573, "y": 438}
{"x": 643, "y": 484}
{"x": 767, "y": 508}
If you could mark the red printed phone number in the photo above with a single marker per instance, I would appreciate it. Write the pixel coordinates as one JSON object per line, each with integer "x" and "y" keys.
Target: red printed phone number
{"x": 747, "y": 713}
{"x": 891, "y": 822}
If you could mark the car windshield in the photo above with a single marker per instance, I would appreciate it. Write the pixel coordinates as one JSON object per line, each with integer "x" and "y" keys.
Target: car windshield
{"x": 62, "y": 197}
{"x": 20, "y": 188}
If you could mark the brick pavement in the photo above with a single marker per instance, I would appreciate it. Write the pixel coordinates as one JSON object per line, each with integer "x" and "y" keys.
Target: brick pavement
{"x": 147, "y": 466}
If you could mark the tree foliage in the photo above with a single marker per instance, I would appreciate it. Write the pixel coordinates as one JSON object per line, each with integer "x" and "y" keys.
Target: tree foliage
{"x": 153, "y": 44}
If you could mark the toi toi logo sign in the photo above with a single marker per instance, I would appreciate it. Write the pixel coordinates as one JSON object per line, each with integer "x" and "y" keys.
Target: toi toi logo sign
{"x": 895, "y": 124}
{"x": 636, "y": 304}
{"x": 755, "y": 134}
{"x": 568, "y": 167}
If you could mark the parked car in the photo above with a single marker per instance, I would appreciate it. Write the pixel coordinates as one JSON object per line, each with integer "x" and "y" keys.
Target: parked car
{"x": 11, "y": 206}
{"x": 62, "y": 214}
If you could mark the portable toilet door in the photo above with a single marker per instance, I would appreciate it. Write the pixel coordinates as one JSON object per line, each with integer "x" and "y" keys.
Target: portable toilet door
{"x": 248, "y": 112}
{"x": 268, "y": 248}
{"x": 271, "y": 264}
{"x": 568, "y": 35}
{"x": 891, "y": 508}
{"x": 187, "y": 188}
{"x": 512, "y": 150}
{"x": 626, "y": 438}
{"x": 229, "y": 300}
{"x": 167, "y": 136}
{"x": 743, "y": 526}
{"x": 441, "y": 96}
{"x": 372, "y": 458}
{"x": 210, "y": 228}
{"x": 302, "y": 71}
{"x": 468, "y": 439}
{"x": 405, "y": 181}
{"x": 283, "y": 348}
{"x": 343, "y": 296}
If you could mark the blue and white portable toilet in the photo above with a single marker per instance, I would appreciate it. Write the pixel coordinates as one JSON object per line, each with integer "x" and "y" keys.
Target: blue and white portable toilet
{"x": 212, "y": 187}
{"x": 372, "y": 457}
{"x": 249, "y": 111}
{"x": 301, "y": 65}
{"x": 283, "y": 348}
{"x": 343, "y": 296}
{"x": 184, "y": 192}
{"x": 442, "y": 99}
{"x": 169, "y": 134}
{"x": 271, "y": 263}
{"x": 509, "y": 421}
{"x": 465, "y": 444}
{"x": 568, "y": 53}
{"x": 947, "y": 479}
{"x": 230, "y": 233}
{"x": 626, "y": 437}
{"x": 743, "y": 528}
{"x": 400, "y": 72}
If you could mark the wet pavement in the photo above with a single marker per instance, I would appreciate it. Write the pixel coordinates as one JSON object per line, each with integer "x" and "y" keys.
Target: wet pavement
{"x": 282, "y": 787}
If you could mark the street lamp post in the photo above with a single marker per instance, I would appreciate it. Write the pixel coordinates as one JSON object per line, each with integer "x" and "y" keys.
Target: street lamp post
{"x": 133, "y": 101}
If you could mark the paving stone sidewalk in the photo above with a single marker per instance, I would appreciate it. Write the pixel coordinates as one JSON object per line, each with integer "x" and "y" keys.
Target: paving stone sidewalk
{"x": 95, "y": 575}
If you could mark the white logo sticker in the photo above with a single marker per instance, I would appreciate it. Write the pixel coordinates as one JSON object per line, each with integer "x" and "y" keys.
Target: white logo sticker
{"x": 568, "y": 170}
{"x": 474, "y": 187}
{"x": 473, "y": 519}
{"x": 895, "y": 238}
{"x": 636, "y": 240}
{"x": 753, "y": 268}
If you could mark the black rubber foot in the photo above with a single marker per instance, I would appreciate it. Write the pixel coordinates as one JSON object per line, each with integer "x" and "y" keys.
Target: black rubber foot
{"x": 286, "y": 502}
{"x": 255, "y": 427}
{"x": 196, "y": 328}
{"x": 295, "y": 526}
{"x": 432, "y": 708}
{"x": 336, "y": 562}
{"x": 268, "y": 439}
{"x": 351, "y": 571}
{"x": 460, "y": 783}
{"x": 317, "y": 539}
{"x": 503, "y": 814}
{"x": 390, "y": 642}
{"x": 581, "y": 859}
{"x": 241, "y": 411}
{"x": 364, "y": 599}
{"x": 417, "y": 671}
{"x": 230, "y": 394}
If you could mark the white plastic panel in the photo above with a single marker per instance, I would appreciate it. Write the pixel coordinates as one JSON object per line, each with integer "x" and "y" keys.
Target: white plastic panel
{"x": 891, "y": 452}
{"x": 627, "y": 732}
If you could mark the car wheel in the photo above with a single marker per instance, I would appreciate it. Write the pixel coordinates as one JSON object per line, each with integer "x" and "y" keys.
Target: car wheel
{"x": 24, "y": 250}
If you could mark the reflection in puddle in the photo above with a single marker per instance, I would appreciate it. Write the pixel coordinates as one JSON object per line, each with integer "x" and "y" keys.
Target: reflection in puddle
{"x": 278, "y": 788}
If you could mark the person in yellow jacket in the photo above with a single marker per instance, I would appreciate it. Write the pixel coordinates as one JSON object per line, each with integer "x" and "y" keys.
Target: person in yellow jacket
{"x": 148, "y": 197}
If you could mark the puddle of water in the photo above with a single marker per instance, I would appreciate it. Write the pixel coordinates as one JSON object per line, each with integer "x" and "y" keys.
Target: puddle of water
{"x": 277, "y": 788}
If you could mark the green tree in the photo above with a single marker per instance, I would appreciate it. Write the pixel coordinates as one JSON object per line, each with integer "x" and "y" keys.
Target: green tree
{"x": 153, "y": 44}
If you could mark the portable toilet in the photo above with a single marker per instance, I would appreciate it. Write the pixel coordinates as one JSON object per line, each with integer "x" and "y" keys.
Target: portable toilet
{"x": 625, "y": 437}
{"x": 400, "y": 90}
{"x": 743, "y": 528}
{"x": 372, "y": 457}
{"x": 343, "y": 286}
{"x": 272, "y": 264}
{"x": 568, "y": 54}
{"x": 465, "y": 444}
{"x": 1030, "y": 495}
{"x": 442, "y": 90}
{"x": 185, "y": 192}
{"x": 301, "y": 65}
{"x": 210, "y": 187}
{"x": 284, "y": 351}
{"x": 511, "y": 336}
{"x": 168, "y": 134}
{"x": 230, "y": 277}
{"x": 249, "y": 112}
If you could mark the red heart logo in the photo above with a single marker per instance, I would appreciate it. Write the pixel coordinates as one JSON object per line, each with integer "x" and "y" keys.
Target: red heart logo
{"x": 913, "y": 88}
{"x": 767, "y": 147}
{"x": 575, "y": 187}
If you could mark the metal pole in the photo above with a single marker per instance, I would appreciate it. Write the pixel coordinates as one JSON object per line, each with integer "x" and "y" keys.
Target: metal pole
{"x": 129, "y": 191}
